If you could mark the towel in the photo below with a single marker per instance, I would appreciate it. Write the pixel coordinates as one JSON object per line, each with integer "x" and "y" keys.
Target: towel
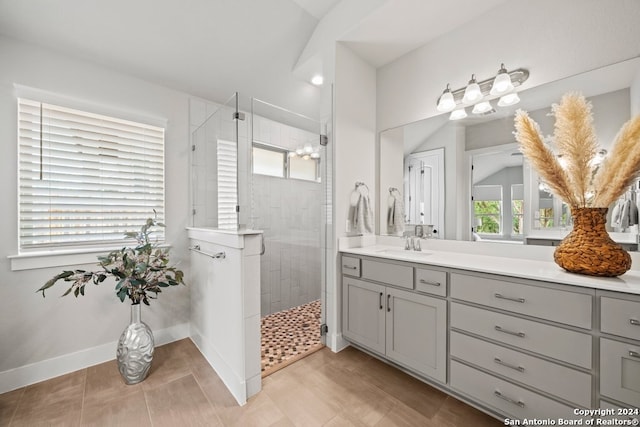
{"x": 362, "y": 215}
{"x": 624, "y": 214}
{"x": 395, "y": 216}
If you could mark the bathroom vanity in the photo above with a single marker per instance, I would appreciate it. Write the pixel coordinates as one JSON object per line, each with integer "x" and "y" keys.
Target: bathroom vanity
{"x": 514, "y": 336}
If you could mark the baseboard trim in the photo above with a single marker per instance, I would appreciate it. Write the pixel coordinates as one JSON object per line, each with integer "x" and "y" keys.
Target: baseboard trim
{"x": 236, "y": 385}
{"x": 337, "y": 342}
{"x": 13, "y": 379}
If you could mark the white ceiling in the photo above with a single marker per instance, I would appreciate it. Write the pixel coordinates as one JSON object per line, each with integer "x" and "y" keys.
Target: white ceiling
{"x": 400, "y": 26}
{"x": 212, "y": 48}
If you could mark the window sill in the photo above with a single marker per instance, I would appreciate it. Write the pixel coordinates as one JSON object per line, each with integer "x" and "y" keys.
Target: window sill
{"x": 57, "y": 258}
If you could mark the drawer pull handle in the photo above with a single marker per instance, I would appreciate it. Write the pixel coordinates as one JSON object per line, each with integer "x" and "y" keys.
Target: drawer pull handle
{"x": 381, "y": 294}
{"x": 349, "y": 267}
{"x": 634, "y": 354}
{"x": 389, "y": 303}
{"x": 508, "y": 365}
{"x": 500, "y": 296}
{"x": 426, "y": 282}
{"x": 520, "y": 403}
{"x": 634, "y": 322}
{"x": 505, "y": 331}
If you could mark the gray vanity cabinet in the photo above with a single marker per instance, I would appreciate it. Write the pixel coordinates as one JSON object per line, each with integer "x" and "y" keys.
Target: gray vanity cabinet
{"x": 620, "y": 349}
{"x": 406, "y": 327}
{"x": 517, "y": 348}
{"x": 364, "y": 313}
{"x": 417, "y": 332}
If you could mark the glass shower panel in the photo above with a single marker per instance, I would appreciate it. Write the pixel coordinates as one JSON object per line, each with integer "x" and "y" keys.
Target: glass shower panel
{"x": 288, "y": 208}
{"x": 214, "y": 168}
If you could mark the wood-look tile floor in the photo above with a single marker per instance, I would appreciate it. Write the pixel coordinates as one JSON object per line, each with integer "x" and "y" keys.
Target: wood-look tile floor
{"x": 349, "y": 388}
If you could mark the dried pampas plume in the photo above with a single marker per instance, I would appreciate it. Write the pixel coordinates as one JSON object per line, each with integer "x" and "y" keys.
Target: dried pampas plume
{"x": 541, "y": 157}
{"x": 622, "y": 166}
{"x": 575, "y": 140}
{"x": 582, "y": 183}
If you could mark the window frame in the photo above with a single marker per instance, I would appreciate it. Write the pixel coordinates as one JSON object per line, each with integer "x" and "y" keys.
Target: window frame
{"x": 286, "y": 162}
{"x": 61, "y": 253}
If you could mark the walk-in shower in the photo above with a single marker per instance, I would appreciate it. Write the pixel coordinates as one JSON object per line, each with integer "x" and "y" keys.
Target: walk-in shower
{"x": 258, "y": 166}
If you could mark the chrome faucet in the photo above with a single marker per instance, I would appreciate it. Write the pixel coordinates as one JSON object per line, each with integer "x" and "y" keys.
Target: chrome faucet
{"x": 418, "y": 231}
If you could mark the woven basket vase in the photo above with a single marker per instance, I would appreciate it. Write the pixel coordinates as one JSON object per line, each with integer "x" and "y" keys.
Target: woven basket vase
{"x": 588, "y": 249}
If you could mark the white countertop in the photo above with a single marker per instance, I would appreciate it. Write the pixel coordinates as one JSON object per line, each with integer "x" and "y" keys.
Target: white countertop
{"x": 547, "y": 271}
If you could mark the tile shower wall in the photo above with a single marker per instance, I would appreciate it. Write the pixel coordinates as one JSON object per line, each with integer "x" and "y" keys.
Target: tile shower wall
{"x": 289, "y": 212}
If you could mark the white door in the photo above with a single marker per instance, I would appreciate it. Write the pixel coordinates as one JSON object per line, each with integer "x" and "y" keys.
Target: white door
{"x": 424, "y": 189}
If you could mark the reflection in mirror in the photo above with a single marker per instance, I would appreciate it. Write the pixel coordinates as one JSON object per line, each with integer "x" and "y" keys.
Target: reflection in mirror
{"x": 497, "y": 190}
{"x": 520, "y": 212}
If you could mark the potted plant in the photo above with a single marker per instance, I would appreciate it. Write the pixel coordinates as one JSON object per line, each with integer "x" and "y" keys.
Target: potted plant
{"x": 140, "y": 273}
{"x": 587, "y": 186}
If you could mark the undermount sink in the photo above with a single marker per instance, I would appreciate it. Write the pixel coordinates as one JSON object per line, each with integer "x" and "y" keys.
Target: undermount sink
{"x": 403, "y": 252}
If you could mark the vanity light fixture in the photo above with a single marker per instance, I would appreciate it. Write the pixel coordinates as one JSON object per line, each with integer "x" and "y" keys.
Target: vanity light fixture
{"x": 446, "y": 102}
{"x": 306, "y": 152}
{"x": 472, "y": 93}
{"x": 508, "y": 99}
{"x": 317, "y": 80}
{"x": 502, "y": 85}
{"x": 458, "y": 114}
{"x": 482, "y": 107}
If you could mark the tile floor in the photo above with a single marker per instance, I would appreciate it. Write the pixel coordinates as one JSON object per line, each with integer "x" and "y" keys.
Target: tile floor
{"x": 349, "y": 388}
{"x": 290, "y": 335}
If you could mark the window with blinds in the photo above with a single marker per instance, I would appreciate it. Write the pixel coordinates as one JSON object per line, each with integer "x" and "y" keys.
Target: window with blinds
{"x": 85, "y": 179}
{"x": 227, "y": 184}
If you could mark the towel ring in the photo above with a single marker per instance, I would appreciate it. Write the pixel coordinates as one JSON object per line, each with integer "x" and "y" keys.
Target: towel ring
{"x": 360, "y": 184}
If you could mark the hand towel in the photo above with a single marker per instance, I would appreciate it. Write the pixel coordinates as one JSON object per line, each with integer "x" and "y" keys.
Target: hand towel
{"x": 395, "y": 221}
{"x": 363, "y": 216}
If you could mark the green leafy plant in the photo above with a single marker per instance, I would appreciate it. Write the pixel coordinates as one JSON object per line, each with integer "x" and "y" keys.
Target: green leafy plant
{"x": 140, "y": 271}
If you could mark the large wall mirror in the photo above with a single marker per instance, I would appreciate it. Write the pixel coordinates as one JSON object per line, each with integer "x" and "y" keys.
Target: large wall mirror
{"x": 484, "y": 190}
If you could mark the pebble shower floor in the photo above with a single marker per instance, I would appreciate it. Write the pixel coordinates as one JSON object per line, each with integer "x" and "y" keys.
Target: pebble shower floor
{"x": 290, "y": 335}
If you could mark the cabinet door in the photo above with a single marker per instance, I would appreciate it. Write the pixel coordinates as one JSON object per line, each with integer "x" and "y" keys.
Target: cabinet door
{"x": 620, "y": 371}
{"x": 417, "y": 332}
{"x": 363, "y": 313}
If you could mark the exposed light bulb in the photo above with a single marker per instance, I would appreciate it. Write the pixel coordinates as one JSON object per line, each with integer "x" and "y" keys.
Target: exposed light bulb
{"x": 299, "y": 151}
{"x": 317, "y": 80}
{"x": 458, "y": 114}
{"x": 446, "y": 102}
{"x": 306, "y": 157}
{"x": 472, "y": 93}
{"x": 502, "y": 83}
{"x": 315, "y": 155}
{"x": 308, "y": 149}
{"x": 482, "y": 107}
{"x": 292, "y": 154}
{"x": 509, "y": 99}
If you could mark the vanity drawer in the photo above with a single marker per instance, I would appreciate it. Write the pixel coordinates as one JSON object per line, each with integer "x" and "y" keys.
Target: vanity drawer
{"x": 619, "y": 413}
{"x": 620, "y": 317}
{"x": 551, "y": 304}
{"x": 566, "y": 383}
{"x": 620, "y": 371}
{"x": 351, "y": 266}
{"x": 391, "y": 274}
{"x": 552, "y": 341}
{"x": 431, "y": 281}
{"x": 508, "y": 399}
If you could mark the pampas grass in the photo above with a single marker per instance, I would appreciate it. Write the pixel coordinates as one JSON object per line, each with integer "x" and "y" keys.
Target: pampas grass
{"x": 581, "y": 183}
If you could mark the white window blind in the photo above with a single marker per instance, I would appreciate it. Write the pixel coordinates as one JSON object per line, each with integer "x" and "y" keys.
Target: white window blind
{"x": 227, "y": 184}
{"x": 85, "y": 178}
